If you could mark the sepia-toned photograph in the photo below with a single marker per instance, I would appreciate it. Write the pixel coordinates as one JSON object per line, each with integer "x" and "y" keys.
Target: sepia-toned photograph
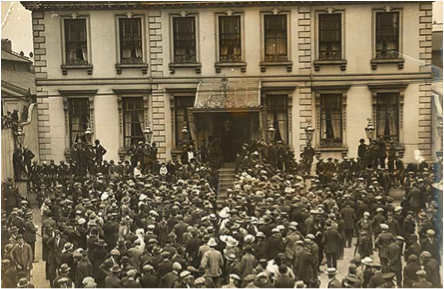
{"x": 221, "y": 144}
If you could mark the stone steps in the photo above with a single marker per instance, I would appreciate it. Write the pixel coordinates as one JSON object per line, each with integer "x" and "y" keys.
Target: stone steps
{"x": 226, "y": 180}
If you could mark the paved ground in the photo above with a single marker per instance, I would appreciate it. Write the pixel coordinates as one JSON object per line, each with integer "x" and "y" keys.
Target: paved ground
{"x": 38, "y": 273}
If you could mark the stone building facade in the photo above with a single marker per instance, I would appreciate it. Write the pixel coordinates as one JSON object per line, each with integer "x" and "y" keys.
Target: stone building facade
{"x": 118, "y": 67}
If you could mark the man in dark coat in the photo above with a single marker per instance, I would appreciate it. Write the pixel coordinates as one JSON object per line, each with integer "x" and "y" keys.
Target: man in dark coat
{"x": 100, "y": 152}
{"x": 349, "y": 217}
{"x": 17, "y": 161}
{"x": 275, "y": 244}
{"x": 111, "y": 231}
{"x": 28, "y": 155}
{"x": 410, "y": 270}
{"x": 362, "y": 148}
{"x": 9, "y": 274}
{"x": 394, "y": 259}
{"x": 307, "y": 270}
{"x": 430, "y": 244}
{"x": 422, "y": 281}
{"x": 22, "y": 256}
{"x": 148, "y": 279}
{"x": 55, "y": 245}
{"x": 431, "y": 266}
{"x": 12, "y": 198}
{"x": 83, "y": 269}
{"x": 113, "y": 280}
{"x": 30, "y": 233}
{"x": 330, "y": 241}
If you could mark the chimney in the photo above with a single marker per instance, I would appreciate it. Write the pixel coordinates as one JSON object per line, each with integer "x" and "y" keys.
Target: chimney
{"x": 6, "y": 45}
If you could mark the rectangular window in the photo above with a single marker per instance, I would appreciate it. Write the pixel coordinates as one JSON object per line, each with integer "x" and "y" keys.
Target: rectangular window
{"x": 76, "y": 43}
{"x": 275, "y": 31}
{"x": 133, "y": 120}
{"x": 387, "y": 116}
{"x": 277, "y": 114}
{"x": 387, "y": 35}
{"x": 230, "y": 49}
{"x": 78, "y": 118}
{"x": 331, "y": 120}
{"x": 181, "y": 116}
{"x": 330, "y": 36}
{"x": 130, "y": 32}
{"x": 184, "y": 34}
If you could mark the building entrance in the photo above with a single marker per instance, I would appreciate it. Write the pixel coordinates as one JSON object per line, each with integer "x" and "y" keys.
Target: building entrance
{"x": 224, "y": 133}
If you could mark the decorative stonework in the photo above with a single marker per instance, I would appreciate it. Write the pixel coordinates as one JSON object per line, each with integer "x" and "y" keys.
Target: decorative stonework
{"x": 304, "y": 36}
{"x": 425, "y": 88}
{"x": 155, "y": 43}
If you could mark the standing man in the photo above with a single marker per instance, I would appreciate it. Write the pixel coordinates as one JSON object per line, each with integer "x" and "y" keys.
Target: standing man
{"x": 213, "y": 263}
{"x": 100, "y": 152}
{"x": 349, "y": 217}
{"x": 12, "y": 198}
{"x": 22, "y": 256}
{"x": 394, "y": 259}
{"x": 30, "y": 233}
{"x": 28, "y": 155}
{"x": 55, "y": 245}
{"x": 330, "y": 241}
{"x": 382, "y": 242}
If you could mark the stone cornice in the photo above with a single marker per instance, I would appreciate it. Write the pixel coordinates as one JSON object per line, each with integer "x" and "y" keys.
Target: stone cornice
{"x": 110, "y": 5}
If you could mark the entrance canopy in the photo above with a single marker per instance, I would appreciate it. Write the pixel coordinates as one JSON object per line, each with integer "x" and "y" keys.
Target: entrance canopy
{"x": 228, "y": 95}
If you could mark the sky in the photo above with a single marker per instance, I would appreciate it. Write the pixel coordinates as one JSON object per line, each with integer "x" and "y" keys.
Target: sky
{"x": 17, "y": 24}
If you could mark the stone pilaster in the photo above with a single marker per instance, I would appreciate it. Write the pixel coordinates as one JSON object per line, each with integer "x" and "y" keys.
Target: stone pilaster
{"x": 304, "y": 37}
{"x": 155, "y": 43}
{"x": 425, "y": 88}
{"x": 40, "y": 65}
{"x": 305, "y": 111}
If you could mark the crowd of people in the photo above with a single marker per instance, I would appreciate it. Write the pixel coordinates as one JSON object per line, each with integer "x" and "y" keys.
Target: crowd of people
{"x": 147, "y": 224}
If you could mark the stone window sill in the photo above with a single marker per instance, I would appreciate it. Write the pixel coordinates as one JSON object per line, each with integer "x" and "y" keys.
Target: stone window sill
{"x": 219, "y": 65}
{"x": 398, "y": 61}
{"x": 319, "y": 63}
{"x": 143, "y": 66}
{"x": 343, "y": 150}
{"x": 288, "y": 64}
{"x": 66, "y": 67}
{"x": 174, "y": 66}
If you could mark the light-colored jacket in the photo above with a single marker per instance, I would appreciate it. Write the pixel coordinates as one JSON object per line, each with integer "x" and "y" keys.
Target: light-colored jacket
{"x": 212, "y": 262}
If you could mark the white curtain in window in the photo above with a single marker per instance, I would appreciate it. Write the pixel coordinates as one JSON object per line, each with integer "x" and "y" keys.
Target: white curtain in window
{"x": 75, "y": 128}
{"x": 85, "y": 54}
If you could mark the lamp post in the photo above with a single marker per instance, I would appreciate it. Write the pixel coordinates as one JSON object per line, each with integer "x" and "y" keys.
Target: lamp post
{"x": 88, "y": 134}
{"x": 20, "y": 136}
{"x": 271, "y": 132}
{"x": 309, "y": 132}
{"x": 184, "y": 132}
{"x": 369, "y": 129}
{"x": 148, "y": 134}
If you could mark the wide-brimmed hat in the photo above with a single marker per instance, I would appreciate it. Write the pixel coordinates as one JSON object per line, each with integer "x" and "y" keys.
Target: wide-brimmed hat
{"x": 64, "y": 268}
{"x": 23, "y": 282}
{"x": 101, "y": 243}
{"x": 115, "y": 269}
{"x": 212, "y": 243}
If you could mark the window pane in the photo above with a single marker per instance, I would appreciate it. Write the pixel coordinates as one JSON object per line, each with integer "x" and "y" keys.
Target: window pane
{"x": 133, "y": 120}
{"x": 181, "y": 116}
{"x": 78, "y": 118}
{"x": 184, "y": 40}
{"x": 230, "y": 39}
{"x": 331, "y": 120}
{"x": 277, "y": 114}
{"x": 387, "y": 35}
{"x": 275, "y": 31}
{"x": 330, "y": 36}
{"x": 387, "y": 116}
{"x": 130, "y": 40}
{"x": 76, "y": 41}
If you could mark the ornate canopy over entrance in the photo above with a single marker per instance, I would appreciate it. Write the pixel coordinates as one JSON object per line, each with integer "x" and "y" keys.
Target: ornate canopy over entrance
{"x": 227, "y": 114}
{"x": 224, "y": 95}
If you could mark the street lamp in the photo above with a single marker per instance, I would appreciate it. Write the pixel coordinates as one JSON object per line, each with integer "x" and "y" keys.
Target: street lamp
{"x": 309, "y": 132}
{"x": 369, "y": 129}
{"x": 271, "y": 132}
{"x": 88, "y": 134}
{"x": 20, "y": 136}
{"x": 148, "y": 133}
{"x": 184, "y": 132}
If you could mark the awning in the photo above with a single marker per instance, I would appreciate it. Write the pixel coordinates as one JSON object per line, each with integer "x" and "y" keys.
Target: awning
{"x": 234, "y": 95}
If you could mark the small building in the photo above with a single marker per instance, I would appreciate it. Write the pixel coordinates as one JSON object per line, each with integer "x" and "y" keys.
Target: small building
{"x": 18, "y": 81}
